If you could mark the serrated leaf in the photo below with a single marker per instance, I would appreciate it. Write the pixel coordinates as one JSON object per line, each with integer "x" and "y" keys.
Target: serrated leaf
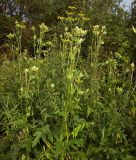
{"x": 41, "y": 133}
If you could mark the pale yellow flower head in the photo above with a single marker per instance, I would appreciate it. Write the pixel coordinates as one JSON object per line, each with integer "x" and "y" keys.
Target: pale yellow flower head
{"x": 34, "y": 69}
{"x": 43, "y": 27}
{"x": 134, "y": 29}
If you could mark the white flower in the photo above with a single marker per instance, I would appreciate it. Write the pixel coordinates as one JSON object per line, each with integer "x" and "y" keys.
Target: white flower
{"x": 33, "y": 28}
{"x": 10, "y": 36}
{"x": 119, "y": 90}
{"x": 34, "y": 68}
{"x": 21, "y": 89}
{"x": 66, "y": 29}
{"x": 52, "y": 85}
{"x": 102, "y": 42}
{"x": 92, "y": 65}
{"x": 26, "y": 70}
{"x": 20, "y": 25}
{"x": 81, "y": 75}
{"x": 34, "y": 36}
{"x": 134, "y": 29}
{"x": 103, "y": 27}
{"x": 96, "y": 30}
{"x": 96, "y": 27}
{"x": 43, "y": 27}
{"x": 80, "y": 40}
{"x": 132, "y": 65}
{"x": 79, "y": 31}
{"x": 103, "y": 30}
{"x": 80, "y": 92}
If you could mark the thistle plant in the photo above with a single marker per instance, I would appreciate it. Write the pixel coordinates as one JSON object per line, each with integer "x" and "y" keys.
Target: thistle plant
{"x": 71, "y": 46}
{"x": 70, "y": 54}
{"x": 28, "y": 78}
{"x": 73, "y": 18}
{"x": 16, "y": 38}
{"x": 94, "y": 63}
{"x": 39, "y": 41}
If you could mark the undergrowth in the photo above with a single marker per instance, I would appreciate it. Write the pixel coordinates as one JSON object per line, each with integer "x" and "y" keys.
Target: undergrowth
{"x": 65, "y": 106}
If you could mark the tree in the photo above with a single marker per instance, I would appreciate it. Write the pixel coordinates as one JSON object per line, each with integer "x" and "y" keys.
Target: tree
{"x": 112, "y": 15}
{"x": 133, "y": 13}
{"x": 132, "y": 36}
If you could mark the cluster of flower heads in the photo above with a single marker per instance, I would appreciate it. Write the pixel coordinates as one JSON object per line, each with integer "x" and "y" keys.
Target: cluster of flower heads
{"x": 10, "y": 36}
{"x": 43, "y": 27}
{"x": 79, "y": 31}
{"x": 132, "y": 65}
{"x": 32, "y": 69}
{"x": 20, "y": 25}
{"x": 99, "y": 30}
{"x": 111, "y": 61}
{"x": 72, "y": 7}
{"x": 73, "y": 16}
{"x": 75, "y": 35}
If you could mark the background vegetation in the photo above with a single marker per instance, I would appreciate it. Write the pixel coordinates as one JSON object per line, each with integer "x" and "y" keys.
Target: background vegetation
{"x": 67, "y": 80}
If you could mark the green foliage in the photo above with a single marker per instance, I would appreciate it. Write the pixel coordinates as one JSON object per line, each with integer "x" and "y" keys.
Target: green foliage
{"x": 60, "y": 105}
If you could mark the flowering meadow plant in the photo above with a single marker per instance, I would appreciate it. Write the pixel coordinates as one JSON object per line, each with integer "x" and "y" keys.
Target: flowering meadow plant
{"x": 64, "y": 106}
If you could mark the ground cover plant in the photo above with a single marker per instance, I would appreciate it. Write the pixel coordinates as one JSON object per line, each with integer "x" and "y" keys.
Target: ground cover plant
{"x": 56, "y": 104}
